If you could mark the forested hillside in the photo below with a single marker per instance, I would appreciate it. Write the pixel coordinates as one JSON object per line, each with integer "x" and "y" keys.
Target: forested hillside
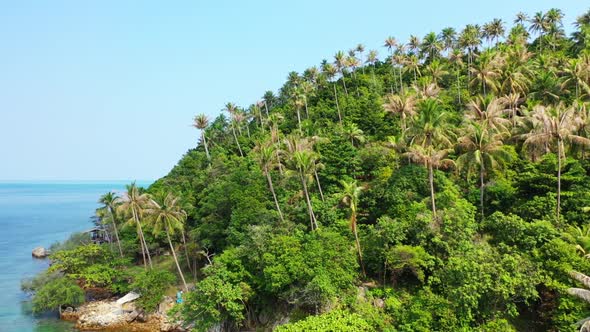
{"x": 435, "y": 184}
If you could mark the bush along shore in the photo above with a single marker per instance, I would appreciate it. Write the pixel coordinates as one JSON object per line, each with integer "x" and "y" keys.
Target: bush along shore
{"x": 441, "y": 186}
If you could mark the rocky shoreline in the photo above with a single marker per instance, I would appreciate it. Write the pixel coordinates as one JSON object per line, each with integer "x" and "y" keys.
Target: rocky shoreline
{"x": 111, "y": 315}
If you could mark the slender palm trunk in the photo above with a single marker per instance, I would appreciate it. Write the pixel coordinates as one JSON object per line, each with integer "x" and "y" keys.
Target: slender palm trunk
{"x": 205, "y": 145}
{"x": 357, "y": 242}
{"x": 145, "y": 248}
{"x": 431, "y": 182}
{"x": 299, "y": 119}
{"x": 458, "y": 87}
{"x": 401, "y": 80}
{"x": 312, "y": 218}
{"x": 274, "y": 195}
{"x": 317, "y": 179}
{"x": 337, "y": 105}
{"x": 233, "y": 129}
{"x": 481, "y": 189}
{"x": 176, "y": 259}
{"x": 188, "y": 261}
{"x": 266, "y": 109}
{"x": 559, "y": 151}
{"x": 344, "y": 82}
{"x": 116, "y": 232}
{"x": 248, "y": 130}
{"x": 147, "y": 251}
{"x": 306, "y": 110}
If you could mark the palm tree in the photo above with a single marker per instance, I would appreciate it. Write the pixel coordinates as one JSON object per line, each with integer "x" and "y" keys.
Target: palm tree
{"x": 372, "y": 59}
{"x": 354, "y": 133}
{"x": 330, "y": 71}
{"x": 486, "y": 71}
{"x": 583, "y": 294}
{"x": 489, "y": 112}
{"x": 350, "y": 196}
{"x": 430, "y": 127}
{"x": 201, "y": 122}
{"x": 553, "y": 126}
{"x": 232, "y": 109}
{"x": 402, "y": 104}
{"x": 166, "y": 213}
{"x": 390, "y": 44}
{"x": 361, "y": 49}
{"x": 482, "y": 149}
{"x": 448, "y": 38}
{"x": 302, "y": 161}
{"x": 265, "y": 154}
{"x": 436, "y": 70}
{"x": 135, "y": 204}
{"x": 456, "y": 58}
{"x": 109, "y": 203}
{"x": 431, "y": 46}
{"x": 431, "y": 158}
{"x": 340, "y": 63}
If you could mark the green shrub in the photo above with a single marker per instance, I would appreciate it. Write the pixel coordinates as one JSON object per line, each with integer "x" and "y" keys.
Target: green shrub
{"x": 58, "y": 292}
{"x": 336, "y": 320}
{"x": 152, "y": 285}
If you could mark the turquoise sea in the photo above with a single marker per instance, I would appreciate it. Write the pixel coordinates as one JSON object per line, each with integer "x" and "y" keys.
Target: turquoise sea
{"x": 39, "y": 214}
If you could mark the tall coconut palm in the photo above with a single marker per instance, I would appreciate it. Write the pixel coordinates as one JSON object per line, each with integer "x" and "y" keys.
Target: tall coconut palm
{"x": 232, "y": 109}
{"x": 340, "y": 63}
{"x": 360, "y": 48}
{"x": 109, "y": 203}
{"x": 201, "y": 122}
{"x": 553, "y": 127}
{"x": 403, "y": 104}
{"x": 134, "y": 204}
{"x": 448, "y": 38}
{"x": 486, "y": 71}
{"x": 330, "y": 71}
{"x": 372, "y": 59}
{"x": 481, "y": 149}
{"x": 350, "y": 196}
{"x": 431, "y": 157}
{"x": 431, "y": 46}
{"x": 165, "y": 213}
{"x": 303, "y": 160}
{"x": 390, "y": 44}
{"x": 266, "y": 156}
{"x": 456, "y": 58}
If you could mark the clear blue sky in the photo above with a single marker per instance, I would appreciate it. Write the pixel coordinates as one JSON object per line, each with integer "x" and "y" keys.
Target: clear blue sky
{"x": 106, "y": 90}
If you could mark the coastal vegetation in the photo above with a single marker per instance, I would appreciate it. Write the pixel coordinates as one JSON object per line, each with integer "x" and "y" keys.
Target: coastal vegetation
{"x": 444, "y": 186}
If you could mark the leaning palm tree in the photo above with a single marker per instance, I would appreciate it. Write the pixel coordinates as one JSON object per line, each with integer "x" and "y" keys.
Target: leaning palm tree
{"x": 109, "y": 203}
{"x": 431, "y": 158}
{"x": 134, "y": 204}
{"x": 165, "y": 213}
{"x": 552, "y": 127}
{"x": 232, "y": 109}
{"x": 350, "y": 196}
{"x": 583, "y": 294}
{"x": 266, "y": 156}
{"x": 482, "y": 150}
{"x": 201, "y": 122}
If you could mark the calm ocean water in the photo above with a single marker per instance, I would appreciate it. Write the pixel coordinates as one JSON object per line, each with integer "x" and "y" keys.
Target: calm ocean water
{"x": 38, "y": 214}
